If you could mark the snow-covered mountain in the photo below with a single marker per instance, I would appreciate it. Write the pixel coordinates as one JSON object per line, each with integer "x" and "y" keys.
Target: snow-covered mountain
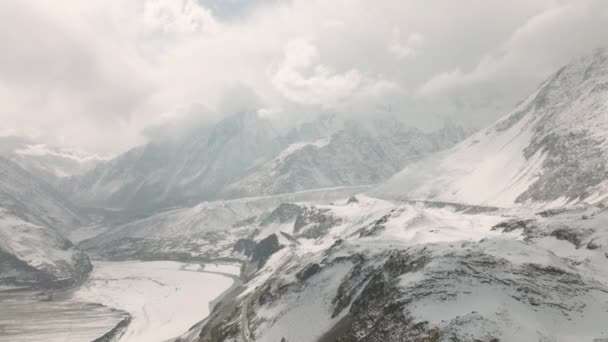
{"x": 365, "y": 269}
{"x": 552, "y": 150}
{"x": 32, "y": 216}
{"x": 453, "y": 248}
{"x": 366, "y": 152}
{"x": 209, "y": 230}
{"x": 441, "y": 260}
{"x": 245, "y": 155}
{"x": 181, "y": 171}
{"x": 34, "y": 256}
{"x": 33, "y": 200}
{"x": 50, "y": 164}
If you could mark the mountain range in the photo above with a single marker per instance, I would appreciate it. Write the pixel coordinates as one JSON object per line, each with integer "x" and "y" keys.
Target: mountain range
{"x": 501, "y": 238}
{"x": 48, "y": 163}
{"x": 353, "y": 230}
{"x": 551, "y": 150}
{"x": 33, "y": 220}
{"x": 244, "y": 155}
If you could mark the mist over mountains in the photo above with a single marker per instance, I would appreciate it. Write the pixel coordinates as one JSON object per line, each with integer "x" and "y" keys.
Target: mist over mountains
{"x": 245, "y": 155}
{"x": 335, "y": 229}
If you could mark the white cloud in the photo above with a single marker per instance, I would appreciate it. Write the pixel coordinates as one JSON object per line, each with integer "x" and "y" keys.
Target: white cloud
{"x": 177, "y": 17}
{"x": 303, "y": 79}
{"x": 539, "y": 46}
{"x": 85, "y": 71}
{"x": 411, "y": 47}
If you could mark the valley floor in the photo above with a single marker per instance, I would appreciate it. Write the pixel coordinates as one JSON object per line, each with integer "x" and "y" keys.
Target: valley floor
{"x": 164, "y": 298}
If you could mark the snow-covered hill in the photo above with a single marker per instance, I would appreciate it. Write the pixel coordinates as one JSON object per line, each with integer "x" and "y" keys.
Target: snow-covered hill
{"x": 32, "y": 218}
{"x": 34, "y": 256}
{"x": 378, "y": 271}
{"x": 178, "y": 172}
{"x": 366, "y": 152}
{"x": 33, "y": 200}
{"x": 460, "y": 251}
{"x": 245, "y": 155}
{"x": 50, "y": 164}
{"x": 209, "y": 230}
{"x": 552, "y": 150}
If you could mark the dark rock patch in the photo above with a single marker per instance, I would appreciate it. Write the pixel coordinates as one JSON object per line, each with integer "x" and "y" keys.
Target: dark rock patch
{"x": 265, "y": 249}
{"x": 308, "y": 271}
{"x": 244, "y": 246}
{"x": 284, "y": 213}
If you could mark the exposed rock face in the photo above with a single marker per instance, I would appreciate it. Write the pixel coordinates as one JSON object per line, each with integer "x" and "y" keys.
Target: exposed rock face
{"x": 308, "y": 272}
{"x": 265, "y": 249}
{"x": 206, "y": 231}
{"x": 379, "y": 313}
{"x": 245, "y": 247}
{"x": 314, "y": 223}
{"x": 418, "y": 278}
{"x": 376, "y": 227}
{"x": 282, "y": 214}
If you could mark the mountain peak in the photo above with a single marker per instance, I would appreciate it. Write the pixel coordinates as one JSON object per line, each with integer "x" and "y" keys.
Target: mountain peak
{"x": 550, "y": 151}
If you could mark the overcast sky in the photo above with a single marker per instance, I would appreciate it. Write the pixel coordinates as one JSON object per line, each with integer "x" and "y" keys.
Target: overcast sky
{"x": 103, "y": 74}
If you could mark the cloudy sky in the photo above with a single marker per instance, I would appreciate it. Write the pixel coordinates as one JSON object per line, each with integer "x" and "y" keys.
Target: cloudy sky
{"x": 104, "y": 75}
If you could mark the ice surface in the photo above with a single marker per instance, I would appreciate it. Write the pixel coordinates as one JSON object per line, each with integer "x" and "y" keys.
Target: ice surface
{"x": 165, "y": 298}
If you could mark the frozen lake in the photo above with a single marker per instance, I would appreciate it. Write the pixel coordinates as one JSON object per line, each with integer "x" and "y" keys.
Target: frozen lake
{"x": 28, "y": 320}
{"x": 164, "y": 298}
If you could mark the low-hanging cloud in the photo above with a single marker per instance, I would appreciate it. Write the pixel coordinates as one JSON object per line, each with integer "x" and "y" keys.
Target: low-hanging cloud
{"x": 550, "y": 38}
{"x": 302, "y": 79}
{"x": 79, "y": 72}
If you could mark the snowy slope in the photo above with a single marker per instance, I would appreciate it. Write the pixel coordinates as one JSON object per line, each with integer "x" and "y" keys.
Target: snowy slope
{"x": 182, "y": 171}
{"x": 362, "y": 152}
{"x": 33, "y": 200}
{"x": 551, "y": 150}
{"x": 49, "y": 163}
{"x": 208, "y": 230}
{"x": 461, "y": 250}
{"x": 246, "y": 155}
{"x": 37, "y": 256}
{"x": 427, "y": 272}
{"x": 32, "y": 217}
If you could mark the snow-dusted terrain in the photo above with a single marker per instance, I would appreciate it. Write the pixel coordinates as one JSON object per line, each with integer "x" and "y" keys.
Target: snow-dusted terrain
{"x": 50, "y": 164}
{"x": 37, "y": 257}
{"x": 26, "y": 196}
{"x": 163, "y": 298}
{"x": 208, "y": 230}
{"x": 465, "y": 249}
{"x": 33, "y": 253}
{"x": 360, "y": 153}
{"x": 426, "y": 271}
{"x": 551, "y": 150}
{"x": 503, "y": 237}
{"x": 246, "y": 155}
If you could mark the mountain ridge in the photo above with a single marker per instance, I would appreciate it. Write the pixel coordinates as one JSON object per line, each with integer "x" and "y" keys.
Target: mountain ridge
{"x": 549, "y": 151}
{"x": 33, "y": 217}
{"x": 234, "y": 159}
